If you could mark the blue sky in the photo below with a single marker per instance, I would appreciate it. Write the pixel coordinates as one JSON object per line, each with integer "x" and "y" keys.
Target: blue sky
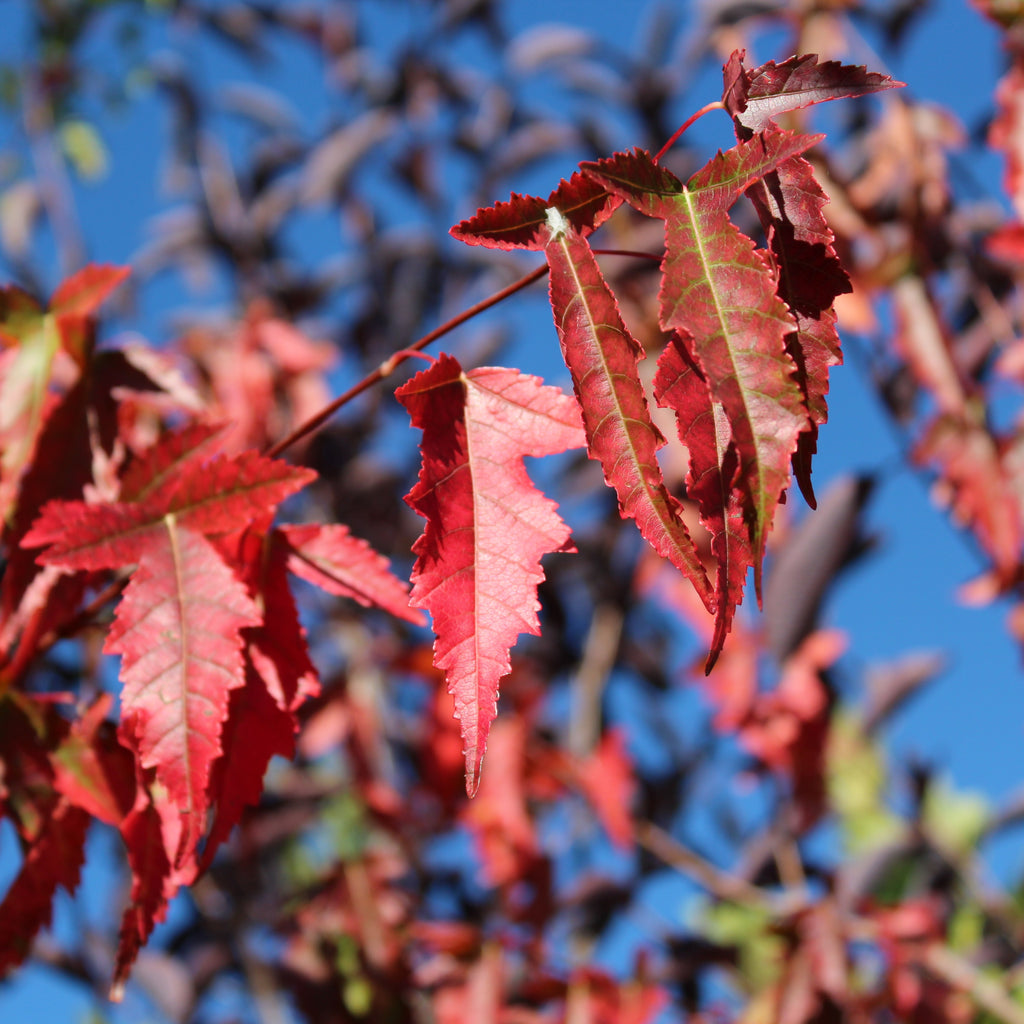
{"x": 903, "y": 598}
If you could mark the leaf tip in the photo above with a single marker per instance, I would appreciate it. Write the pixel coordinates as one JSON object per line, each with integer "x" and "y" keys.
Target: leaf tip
{"x": 758, "y": 579}
{"x": 472, "y": 779}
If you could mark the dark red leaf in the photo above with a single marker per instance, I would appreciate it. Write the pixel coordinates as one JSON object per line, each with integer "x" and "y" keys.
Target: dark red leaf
{"x": 720, "y": 292}
{"x": 277, "y": 647}
{"x": 60, "y": 469}
{"x": 712, "y": 478}
{"x": 49, "y": 828}
{"x": 789, "y": 202}
{"x": 256, "y": 730}
{"x": 763, "y": 93}
{"x": 521, "y": 223}
{"x": 602, "y": 357}
{"x": 54, "y": 858}
{"x": 153, "y": 885}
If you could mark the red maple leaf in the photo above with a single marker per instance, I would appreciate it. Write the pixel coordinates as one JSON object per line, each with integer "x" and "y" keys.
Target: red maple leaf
{"x": 789, "y": 203}
{"x": 277, "y": 647}
{"x": 49, "y": 827}
{"x": 756, "y": 97}
{"x": 521, "y": 223}
{"x": 331, "y": 558}
{"x": 157, "y": 470}
{"x": 256, "y": 730}
{"x": 211, "y": 497}
{"x": 712, "y": 478}
{"x": 179, "y": 627}
{"x": 720, "y": 292}
{"x": 178, "y": 630}
{"x": 602, "y": 356}
{"x": 487, "y": 526}
{"x": 154, "y": 883}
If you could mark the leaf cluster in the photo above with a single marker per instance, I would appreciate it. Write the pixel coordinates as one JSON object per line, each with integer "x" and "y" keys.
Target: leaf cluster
{"x": 298, "y": 764}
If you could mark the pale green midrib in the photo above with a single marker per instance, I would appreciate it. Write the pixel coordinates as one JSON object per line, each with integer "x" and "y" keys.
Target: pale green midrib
{"x": 686, "y": 197}
{"x": 477, "y": 656}
{"x": 179, "y": 580}
{"x": 591, "y": 321}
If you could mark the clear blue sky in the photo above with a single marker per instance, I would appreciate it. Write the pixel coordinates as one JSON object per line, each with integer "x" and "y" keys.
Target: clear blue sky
{"x": 971, "y": 721}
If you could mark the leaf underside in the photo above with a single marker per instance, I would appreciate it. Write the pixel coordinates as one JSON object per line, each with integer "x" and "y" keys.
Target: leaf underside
{"x": 178, "y": 631}
{"x": 478, "y": 564}
{"x": 329, "y": 557}
{"x": 756, "y": 97}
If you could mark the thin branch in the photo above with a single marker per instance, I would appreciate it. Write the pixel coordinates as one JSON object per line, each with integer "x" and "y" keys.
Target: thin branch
{"x": 388, "y": 366}
{"x": 719, "y": 883}
{"x": 51, "y": 174}
{"x": 961, "y": 974}
{"x": 587, "y": 689}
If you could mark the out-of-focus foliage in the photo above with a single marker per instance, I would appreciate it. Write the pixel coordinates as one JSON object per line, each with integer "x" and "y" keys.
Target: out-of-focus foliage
{"x": 311, "y": 159}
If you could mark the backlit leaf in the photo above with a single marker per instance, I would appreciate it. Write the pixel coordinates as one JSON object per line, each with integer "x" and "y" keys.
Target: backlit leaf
{"x": 602, "y": 356}
{"x": 720, "y": 292}
{"x": 214, "y": 497}
{"x": 178, "y": 631}
{"x": 487, "y": 525}
{"x": 521, "y": 223}
{"x": 772, "y": 89}
{"x": 331, "y": 558}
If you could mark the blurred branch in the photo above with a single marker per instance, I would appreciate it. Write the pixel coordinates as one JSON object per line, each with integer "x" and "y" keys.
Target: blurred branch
{"x": 52, "y": 177}
{"x": 719, "y": 883}
{"x": 986, "y": 993}
{"x": 599, "y": 654}
{"x": 388, "y": 366}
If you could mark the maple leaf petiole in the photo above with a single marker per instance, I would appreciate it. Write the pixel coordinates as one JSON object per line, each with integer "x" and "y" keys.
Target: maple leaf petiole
{"x": 678, "y": 133}
{"x": 388, "y": 366}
